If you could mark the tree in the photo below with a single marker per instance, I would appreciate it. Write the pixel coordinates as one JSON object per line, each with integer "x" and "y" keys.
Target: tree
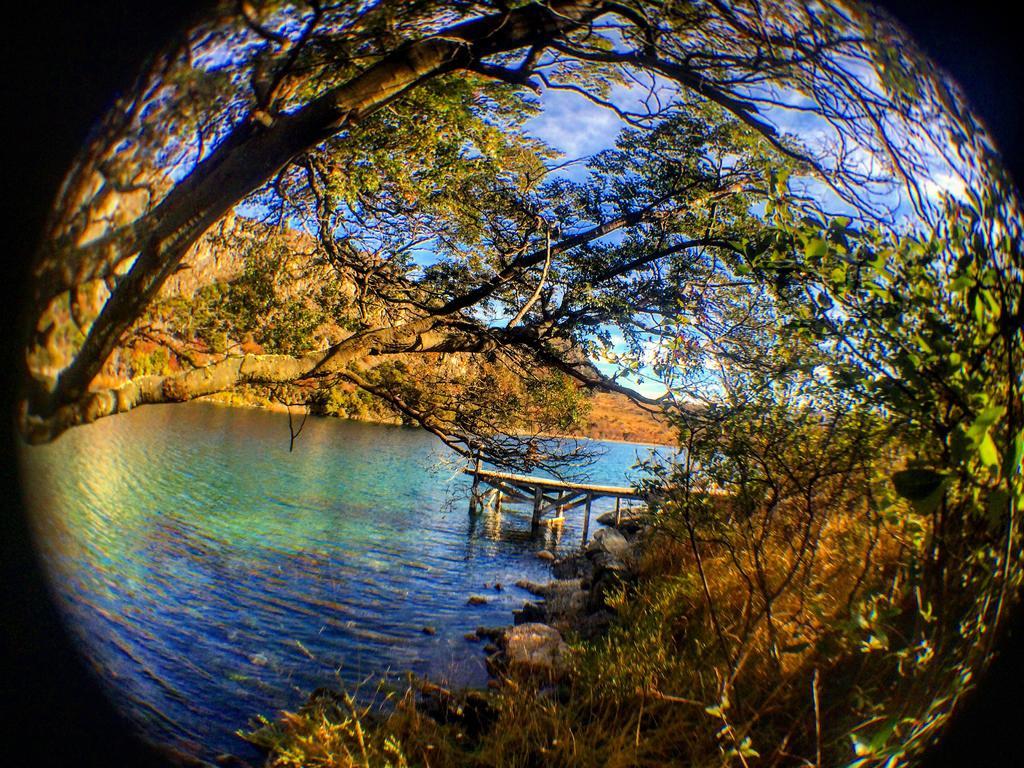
{"x": 305, "y": 110}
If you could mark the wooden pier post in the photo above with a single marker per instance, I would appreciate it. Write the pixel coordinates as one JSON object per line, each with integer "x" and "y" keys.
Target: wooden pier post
{"x": 474, "y": 494}
{"x": 548, "y": 494}
{"x": 586, "y": 519}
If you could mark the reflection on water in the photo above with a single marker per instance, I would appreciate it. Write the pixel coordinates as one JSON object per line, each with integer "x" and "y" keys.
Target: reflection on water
{"x": 211, "y": 575}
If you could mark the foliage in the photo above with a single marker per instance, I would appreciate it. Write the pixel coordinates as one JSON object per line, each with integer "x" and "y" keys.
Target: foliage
{"x": 279, "y": 301}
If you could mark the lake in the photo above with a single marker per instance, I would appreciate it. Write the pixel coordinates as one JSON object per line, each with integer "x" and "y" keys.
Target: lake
{"x": 210, "y": 575}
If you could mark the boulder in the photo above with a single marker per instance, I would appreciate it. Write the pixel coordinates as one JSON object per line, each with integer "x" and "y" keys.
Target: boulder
{"x": 605, "y": 582}
{"x": 574, "y": 566}
{"x": 536, "y": 648}
{"x": 530, "y": 612}
{"x": 611, "y": 542}
{"x": 564, "y": 600}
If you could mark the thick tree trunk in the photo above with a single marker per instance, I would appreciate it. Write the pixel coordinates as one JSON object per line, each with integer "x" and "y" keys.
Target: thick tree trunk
{"x": 252, "y": 155}
{"x": 366, "y": 349}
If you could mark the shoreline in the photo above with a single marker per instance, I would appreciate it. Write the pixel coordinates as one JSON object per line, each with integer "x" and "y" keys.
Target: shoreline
{"x": 304, "y": 410}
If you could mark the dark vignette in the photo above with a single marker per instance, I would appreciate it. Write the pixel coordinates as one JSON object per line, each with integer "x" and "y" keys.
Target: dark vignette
{"x": 62, "y": 63}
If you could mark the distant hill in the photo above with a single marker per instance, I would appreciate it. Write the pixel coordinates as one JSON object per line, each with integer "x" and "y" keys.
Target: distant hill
{"x": 616, "y": 417}
{"x": 218, "y": 258}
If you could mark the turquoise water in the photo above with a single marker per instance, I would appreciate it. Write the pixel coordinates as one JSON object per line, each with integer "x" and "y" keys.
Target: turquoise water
{"x": 210, "y": 575}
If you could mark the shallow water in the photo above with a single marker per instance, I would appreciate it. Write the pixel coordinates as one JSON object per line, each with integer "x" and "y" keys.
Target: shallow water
{"x": 210, "y": 575}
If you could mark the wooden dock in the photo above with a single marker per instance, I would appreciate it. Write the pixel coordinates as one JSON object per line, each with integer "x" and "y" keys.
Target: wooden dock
{"x": 546, "y": 495}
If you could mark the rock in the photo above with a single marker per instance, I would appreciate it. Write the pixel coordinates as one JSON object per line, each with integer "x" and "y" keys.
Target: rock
{"x": 565, "y": 601}
{"x": 530, "y": 612}
{"x": 610, "y": 541}
{"x": 491, "y": 633}
{"x": 536, "y": 648}
{"x": 472, "y": 637}
{"x": 573, "y": 566}
{"x": 428, "y": 631}
{"x": 497, "y": 586}
{"x": 476, "y": 600}
{"x": 533, "y": 587}
{"x": 491, "y": 648}
{"x": 545, "y": 555}
{"x": 259, "y": 659}
{"x": 606, "y": 561}
{"x": 630, "y": 520}
{"x": 607, "y": 581}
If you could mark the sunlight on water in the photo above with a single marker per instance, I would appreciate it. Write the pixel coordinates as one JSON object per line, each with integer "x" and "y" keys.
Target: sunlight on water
{"x": 210, "y": 575}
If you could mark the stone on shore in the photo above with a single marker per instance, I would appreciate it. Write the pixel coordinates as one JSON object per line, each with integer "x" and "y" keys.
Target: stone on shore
{"x": 532, "y": 587}
{"x": 610, "y": 541}
{"x": 536, "y": 648}
{"x": 529, "y": 613}
{"x": 630, "y": 520}
{"x": 574, "y": 566}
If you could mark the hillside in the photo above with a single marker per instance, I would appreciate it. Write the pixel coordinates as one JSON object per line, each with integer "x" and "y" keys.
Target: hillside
{"x": 615, "y": 417}
{"x": 186, "y": 328}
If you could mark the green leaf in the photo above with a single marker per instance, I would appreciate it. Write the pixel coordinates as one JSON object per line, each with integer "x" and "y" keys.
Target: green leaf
{"x": 815, "y": 248}
{"x": 987, "y": 451}
{"x": 961, "y": 283}
{"x": 984, "y": 421}
{"x": 1017, "y": 456}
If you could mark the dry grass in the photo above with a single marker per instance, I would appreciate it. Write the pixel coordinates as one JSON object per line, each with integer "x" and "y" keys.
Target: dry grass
{"x": 663, "y": 687}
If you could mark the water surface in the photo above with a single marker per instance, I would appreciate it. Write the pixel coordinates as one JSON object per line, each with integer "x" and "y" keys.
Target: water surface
{"x": 210, "y": 575}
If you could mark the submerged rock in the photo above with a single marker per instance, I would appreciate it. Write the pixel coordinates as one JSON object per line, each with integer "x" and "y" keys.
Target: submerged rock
{"x": 428, "y": 631}
{"x": 491, "y": 633}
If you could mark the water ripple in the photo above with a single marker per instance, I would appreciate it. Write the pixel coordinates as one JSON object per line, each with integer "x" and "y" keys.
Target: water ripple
{"x": 211, "y": 575}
